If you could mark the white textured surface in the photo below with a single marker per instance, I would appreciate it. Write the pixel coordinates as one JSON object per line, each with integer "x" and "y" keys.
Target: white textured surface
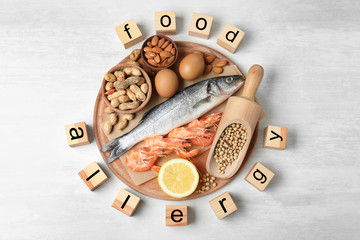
{"x": 53, "y": 57}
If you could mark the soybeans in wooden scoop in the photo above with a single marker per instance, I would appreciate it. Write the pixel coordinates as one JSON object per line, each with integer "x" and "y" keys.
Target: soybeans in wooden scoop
{"x": 236, "y": 128}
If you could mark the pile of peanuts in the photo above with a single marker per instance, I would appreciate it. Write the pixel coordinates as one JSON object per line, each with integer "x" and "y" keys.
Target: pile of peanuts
{"x": 229, "y": 145}
{"x": 206, "y": 182}
{"x": 159, "y": 52}
{"x": 126, "y": 89}
{"x": 113, "y": 119}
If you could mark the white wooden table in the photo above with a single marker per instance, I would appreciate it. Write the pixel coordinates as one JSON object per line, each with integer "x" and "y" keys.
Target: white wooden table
{"x": 53, "y": 57}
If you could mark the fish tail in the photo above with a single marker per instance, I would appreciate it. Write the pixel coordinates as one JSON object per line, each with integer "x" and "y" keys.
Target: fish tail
{"x": 110, "y": 145}
{"x": 120, "y": 146}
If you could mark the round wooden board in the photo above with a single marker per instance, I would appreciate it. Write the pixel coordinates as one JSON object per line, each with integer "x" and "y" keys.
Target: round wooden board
{"x": 151, "y": 188}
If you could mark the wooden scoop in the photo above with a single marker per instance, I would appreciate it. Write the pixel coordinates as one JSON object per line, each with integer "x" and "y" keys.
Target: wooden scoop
{"x": 241, "y": 110}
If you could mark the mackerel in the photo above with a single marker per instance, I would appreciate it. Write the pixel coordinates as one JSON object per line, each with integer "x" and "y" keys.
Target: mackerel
{"x": 185, "y": 106}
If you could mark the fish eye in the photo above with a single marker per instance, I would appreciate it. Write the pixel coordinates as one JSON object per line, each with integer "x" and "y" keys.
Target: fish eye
{"x": 229, "y": 80}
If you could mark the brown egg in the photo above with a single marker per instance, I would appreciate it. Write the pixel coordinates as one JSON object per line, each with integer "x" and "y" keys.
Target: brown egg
{"x": 192, "y": 66}
{"x": 166, "y": 83}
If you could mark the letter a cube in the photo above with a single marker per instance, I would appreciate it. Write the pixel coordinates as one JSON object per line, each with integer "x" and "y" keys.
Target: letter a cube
{"x": 230, "y": 38}
{"x": 259, "y": 176}
{"x": 77, "y": 134}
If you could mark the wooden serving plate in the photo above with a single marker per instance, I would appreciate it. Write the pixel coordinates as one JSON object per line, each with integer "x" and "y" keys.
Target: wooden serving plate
{"x": 151, "y": 188}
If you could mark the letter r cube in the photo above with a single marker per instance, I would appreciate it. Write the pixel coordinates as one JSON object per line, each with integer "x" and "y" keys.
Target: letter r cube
{"x": 223, "y": 205}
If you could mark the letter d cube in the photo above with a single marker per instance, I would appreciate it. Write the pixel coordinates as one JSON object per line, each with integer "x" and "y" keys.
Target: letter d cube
{"x": 230, "y": 38}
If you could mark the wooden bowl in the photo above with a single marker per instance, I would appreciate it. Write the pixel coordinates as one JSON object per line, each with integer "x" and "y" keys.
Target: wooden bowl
{"x": 147, "y": 80}
{"x": 154, "y": 68}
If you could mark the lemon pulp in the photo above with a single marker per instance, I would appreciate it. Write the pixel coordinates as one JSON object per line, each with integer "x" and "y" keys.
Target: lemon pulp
{"x": 178, "y": 177}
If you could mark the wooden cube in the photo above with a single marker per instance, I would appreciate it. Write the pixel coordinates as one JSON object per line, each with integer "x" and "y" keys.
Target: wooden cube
{"x": 93, "y": 176}
{"x": 200, "y": 25}
{"x": 129, "y": 33}
{"x": 165, "y": 23}
{"x": 126, "y": 202}
{"x": 176, "y": 215}
{"x": 77, "y": 134}
{"x": 230, "y": 38}
{"x": 275, "y": 137}
{"x": 223, "y": 205}
{"x": 259, "y": 176}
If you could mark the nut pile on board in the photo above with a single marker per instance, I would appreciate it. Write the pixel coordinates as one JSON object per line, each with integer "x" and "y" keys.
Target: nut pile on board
{"x": 217, "y": 68}
{"x": 206, "y": 183}
{"x": 229, "y": 145}
{"x": 113, "y": 119}
{"x": 126, "y": 89}
{"x": 159, "y": 52}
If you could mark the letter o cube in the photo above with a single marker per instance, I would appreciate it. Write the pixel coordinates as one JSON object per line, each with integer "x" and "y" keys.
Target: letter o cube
{"x": 165, "y": 23}
{"x": 200, "y": 26}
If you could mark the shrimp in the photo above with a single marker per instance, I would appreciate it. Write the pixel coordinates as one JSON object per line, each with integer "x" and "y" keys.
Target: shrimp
{"x": 160, "y": 141}
{"x": 156, "y": 151}
{"x": 137, "y": 161}
{"x": 203, "y": 141}
{"x": 189, "y": 133}
{"x": 206, "y": 121}
{"x": 155, "y": 168}
{"x": 181, "y": 152}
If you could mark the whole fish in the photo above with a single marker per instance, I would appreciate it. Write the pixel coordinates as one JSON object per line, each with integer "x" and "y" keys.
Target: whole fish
{"x": 185, "y": 106}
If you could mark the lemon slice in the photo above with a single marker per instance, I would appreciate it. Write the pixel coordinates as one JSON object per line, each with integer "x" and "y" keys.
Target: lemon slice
{"x": 178, "y": 178}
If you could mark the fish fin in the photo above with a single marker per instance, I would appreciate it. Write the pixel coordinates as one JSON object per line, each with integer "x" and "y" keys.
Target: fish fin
{"x": 204, "y": 100}
{"x": 213, "y": 88}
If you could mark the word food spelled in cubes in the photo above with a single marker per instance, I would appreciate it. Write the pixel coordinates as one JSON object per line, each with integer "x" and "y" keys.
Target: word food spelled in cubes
{"x": 223, "y": 205}
{"x": 275, "y": 137}
{"x": 259, "y": 176}
{"x": 165, "y": 24}
{"x": 126, "y": 202}
{"x": 129, "y": 33}
{"x": 176, "y": 215}
{"x": 93, "y": 176}
{"x": 77, "y": 134}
